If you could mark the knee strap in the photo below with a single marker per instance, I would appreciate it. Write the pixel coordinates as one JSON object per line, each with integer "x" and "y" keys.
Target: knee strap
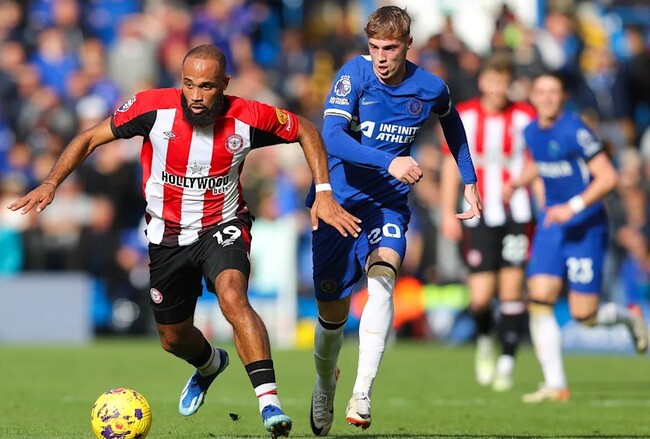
{"x": 382, "y": 268}
{"x": 540, "y": 307}
{"x": 588, "y": 320}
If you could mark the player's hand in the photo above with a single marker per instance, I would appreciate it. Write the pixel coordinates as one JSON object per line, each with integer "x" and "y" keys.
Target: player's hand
{"x": 558, "y": 214}
{"x": 327, "y": 209}
{"x": 405, "y": 169}
{"x": 450, "y": 227}
{"x": 474, "y": 200}
{"x": 40, "y": 197}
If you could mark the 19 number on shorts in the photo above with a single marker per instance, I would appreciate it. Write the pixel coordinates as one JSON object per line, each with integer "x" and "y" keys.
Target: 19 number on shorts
{"x": 389, "y": 230}
{"x": 580, "y": 270}
{"x": 231, "y": 234}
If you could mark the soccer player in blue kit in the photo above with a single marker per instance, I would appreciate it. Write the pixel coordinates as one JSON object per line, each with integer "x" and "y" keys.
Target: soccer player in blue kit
{"x": 571, "y": 237}
{"x": 372, "y": 115}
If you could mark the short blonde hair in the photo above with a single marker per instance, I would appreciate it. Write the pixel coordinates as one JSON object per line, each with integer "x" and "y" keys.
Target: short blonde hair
{"x": 389, "y": 22}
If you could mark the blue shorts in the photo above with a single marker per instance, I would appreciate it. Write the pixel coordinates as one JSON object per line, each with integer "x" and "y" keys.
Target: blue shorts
{"x": 576, "y": 252}
{"x": 339, "y": 262}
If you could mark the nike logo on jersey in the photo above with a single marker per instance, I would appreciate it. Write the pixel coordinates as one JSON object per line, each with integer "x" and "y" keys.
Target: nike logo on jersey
{"x": 365, "y": 101}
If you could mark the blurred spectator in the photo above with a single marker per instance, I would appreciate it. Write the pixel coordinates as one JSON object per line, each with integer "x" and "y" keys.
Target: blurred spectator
{"x": 135, "y": 47}
{"x": 603, "y": 87}
{"x": 103, "y": 17}
{"x": 54, "y": 60}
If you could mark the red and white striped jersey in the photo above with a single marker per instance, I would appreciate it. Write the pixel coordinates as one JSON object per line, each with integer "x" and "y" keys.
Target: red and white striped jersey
{"x": 498, "y": 150}
{"x": 190, "y": 173}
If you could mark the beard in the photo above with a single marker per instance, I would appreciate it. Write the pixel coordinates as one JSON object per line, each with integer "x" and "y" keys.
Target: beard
{"x": 205, "y": 118}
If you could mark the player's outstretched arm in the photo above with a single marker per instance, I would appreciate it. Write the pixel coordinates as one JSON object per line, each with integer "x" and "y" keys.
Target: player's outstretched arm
{"x": 449, "y": 182}
{"x": 324, "y": 206}
{"x": 72, "y": 156}
{"x": 452, "y": 127}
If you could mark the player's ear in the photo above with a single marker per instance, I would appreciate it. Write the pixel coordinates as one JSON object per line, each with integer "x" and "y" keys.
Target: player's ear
{"x": 226, "y": 81}
{"x": 410, "y": 43}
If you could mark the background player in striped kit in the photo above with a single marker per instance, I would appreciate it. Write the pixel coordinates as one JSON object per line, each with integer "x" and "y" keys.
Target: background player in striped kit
{"x": 494, "y": 247}
{"x": 571, "y": 237}
{"x": 195, "y": 141}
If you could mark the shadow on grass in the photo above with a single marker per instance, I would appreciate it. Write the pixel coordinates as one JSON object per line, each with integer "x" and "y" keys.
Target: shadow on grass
{"x": 496, "y": 436}
{"x": 454, "y": 436}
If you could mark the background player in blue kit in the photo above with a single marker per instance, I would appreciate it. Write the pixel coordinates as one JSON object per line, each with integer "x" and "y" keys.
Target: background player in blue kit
{"x": 372, "y": 115}
{"x": 571, "y": 237}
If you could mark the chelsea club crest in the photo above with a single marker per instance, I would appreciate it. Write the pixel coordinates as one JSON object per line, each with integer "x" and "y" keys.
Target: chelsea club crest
{"x": 414, "y": 106}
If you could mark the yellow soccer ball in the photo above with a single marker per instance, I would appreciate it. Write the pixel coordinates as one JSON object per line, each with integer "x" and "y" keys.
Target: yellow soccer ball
{"x": 121, "y": 414}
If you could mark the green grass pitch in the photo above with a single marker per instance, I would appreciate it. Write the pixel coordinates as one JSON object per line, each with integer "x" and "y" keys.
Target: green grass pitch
{"x": 423, "y": 391}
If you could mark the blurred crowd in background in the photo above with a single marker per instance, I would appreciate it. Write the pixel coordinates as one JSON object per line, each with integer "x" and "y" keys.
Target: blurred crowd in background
{"x": 67, "y": 64}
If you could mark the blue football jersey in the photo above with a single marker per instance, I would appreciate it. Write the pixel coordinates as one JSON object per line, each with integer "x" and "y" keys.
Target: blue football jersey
{"x": 385, "y": 120}
{"x": 561, "y": 153}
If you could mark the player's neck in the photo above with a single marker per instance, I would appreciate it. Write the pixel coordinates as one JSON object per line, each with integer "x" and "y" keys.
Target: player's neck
{"x": 490, "y": 107}
{"x": 548, "y": 121}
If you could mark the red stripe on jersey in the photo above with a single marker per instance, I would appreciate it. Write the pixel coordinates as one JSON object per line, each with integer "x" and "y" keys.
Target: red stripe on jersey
{"x": 146, "y": 157}
{"x": 480, "y": 131}
{"x": 175, "y": 163}
{"x": 507, "y": 131}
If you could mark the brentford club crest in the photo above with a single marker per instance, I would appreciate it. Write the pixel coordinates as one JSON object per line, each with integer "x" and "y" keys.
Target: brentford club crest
{"x": 234, "y": 143}
{"x": 156, "y": 296}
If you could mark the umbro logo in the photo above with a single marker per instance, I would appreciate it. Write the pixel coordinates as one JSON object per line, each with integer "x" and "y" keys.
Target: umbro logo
{"x": 169, "y": 135}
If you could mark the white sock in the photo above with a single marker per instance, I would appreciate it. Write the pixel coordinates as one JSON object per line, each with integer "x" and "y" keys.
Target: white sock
{"x": 547, "y": 339}
{"x": 374, "y": 329}
{"x": 612, "y": 313}
{"x": 267, "y": 394}
{"x": 505, "y": 365}
{"x": 212, "y": 365}
{"x": 327, "y": 345}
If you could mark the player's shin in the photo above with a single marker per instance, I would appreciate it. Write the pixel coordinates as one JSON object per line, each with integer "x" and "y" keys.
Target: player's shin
{"x": 511, "y": 328}
{"x": 375, "y": 325}
{"x": 547, "y": 340}
{"x": 328, "y": 339}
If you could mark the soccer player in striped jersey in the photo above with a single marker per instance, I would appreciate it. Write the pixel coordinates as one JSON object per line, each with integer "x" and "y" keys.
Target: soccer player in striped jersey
{"x": 495, "y": 246}
{"x": 571, "y": 237}
{"x": 195, "y": 140}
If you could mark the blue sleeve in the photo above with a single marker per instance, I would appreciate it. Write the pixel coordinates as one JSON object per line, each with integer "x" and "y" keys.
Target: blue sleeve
{"x": 587, "y": 144}
{"x": 454, "y": 131}
{"x": 340, "y": 145}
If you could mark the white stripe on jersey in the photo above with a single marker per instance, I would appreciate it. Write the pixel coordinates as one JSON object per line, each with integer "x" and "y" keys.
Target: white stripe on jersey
{"x": 154, "y": 187}
{"x": 232, "y": 195}
{"x": 520, "y": 202}
{"x": 584, "y": 170}
{"x": 337, "y": 112}
{"x": 201, "y": 147}
{"x": 493, "y": 166}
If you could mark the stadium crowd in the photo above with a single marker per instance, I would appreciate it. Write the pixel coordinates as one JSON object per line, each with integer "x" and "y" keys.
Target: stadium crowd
{"x": 67, "y": 64}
